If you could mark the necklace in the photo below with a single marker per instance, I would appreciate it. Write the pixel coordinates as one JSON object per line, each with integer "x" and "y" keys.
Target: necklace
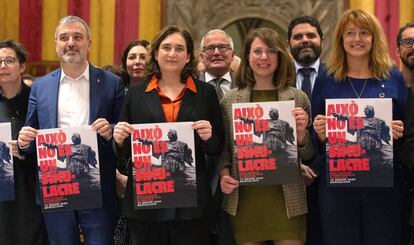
{"x": 353, "y": 88}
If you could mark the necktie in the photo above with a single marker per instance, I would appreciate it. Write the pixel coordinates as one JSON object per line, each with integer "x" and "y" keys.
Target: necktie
{"x": 306, "y": 82}
{"x": 216, "y": 82}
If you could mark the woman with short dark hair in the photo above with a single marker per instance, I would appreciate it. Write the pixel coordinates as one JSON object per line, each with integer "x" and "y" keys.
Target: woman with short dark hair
{"x": 21, "y": 220}
{"x": 171, "y": 93}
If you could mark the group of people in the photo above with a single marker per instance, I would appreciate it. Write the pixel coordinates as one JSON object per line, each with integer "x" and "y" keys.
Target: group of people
{"x": 160, "y": 83}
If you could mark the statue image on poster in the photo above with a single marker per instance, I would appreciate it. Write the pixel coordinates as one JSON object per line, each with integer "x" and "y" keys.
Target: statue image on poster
{"x": 164, "y": 165}
{"x": 6, "y": 164}
{"x": 359, "y": 145}
{"x": 69, "y": 168}
{"x": 265, "y": 142}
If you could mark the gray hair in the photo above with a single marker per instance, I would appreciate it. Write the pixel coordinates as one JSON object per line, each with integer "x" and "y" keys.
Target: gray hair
{"x": 73, "y": 19}
{"x": 217, "y": 31}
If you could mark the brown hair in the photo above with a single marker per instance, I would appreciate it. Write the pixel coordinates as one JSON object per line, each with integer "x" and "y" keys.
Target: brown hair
{"x": 379, "y": 63}
{"x": 152, "y": 66}
{"x": 285, "y": 71}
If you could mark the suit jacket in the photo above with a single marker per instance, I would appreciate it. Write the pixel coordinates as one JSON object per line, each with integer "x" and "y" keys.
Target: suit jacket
{"x": 106, "y": 95}
{"x": 295, "y": 197}
{"x": 407, "y": 141}
{"x": 145, "y": 107}
{"x": 202, "y": 77}
{"x": 317, "y": 161}
{"x": 318, "y": 84}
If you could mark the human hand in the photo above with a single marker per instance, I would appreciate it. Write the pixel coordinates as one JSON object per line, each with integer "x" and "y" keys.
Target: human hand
{"x": 26, "y": 136}
{"x": 203, "y": 129}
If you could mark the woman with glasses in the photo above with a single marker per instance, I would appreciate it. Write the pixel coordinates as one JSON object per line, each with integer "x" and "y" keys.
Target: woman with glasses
{"x": 275, "y": 212}
{"x": 171, "y": 93}
{"x": 359, "y": 66}
{"x": 21, "y": 219}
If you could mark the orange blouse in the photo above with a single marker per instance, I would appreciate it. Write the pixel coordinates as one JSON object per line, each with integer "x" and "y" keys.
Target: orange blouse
{"x": 171, "y": 106}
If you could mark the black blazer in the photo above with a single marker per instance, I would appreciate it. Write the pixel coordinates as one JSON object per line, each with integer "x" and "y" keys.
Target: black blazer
{"x": 145, "y": 107}
{"x": 318, "y": 160}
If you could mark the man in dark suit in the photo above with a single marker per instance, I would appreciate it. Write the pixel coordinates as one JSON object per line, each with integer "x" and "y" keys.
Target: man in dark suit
{"x": 77, "y": 94}
{"x": 305, "y": 42}
{"x": 217, "y": 55}
{"x": 405, "y": 50}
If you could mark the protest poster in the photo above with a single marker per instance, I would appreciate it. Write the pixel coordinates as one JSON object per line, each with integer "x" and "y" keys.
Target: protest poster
{"x": 164, "y": 166}
{"x": 68, "y": 163}
{"x": 265, "y": 142}
{"x": 359, "y": 146}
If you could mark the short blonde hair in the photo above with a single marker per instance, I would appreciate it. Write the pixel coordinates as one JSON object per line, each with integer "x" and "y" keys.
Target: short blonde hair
{"x": 379, "y": 63}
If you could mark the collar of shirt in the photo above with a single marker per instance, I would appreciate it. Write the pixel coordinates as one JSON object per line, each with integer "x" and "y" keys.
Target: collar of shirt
{"x": 313, "y": 76}
{"x": 315, "y": 66}
{"x": 226, "y": 76}
{"x": 153, "y": 84}
{"x": 85, "y": 75}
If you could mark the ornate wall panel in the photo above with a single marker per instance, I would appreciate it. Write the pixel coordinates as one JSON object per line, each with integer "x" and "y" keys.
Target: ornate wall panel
{"x": 200, "y": 16}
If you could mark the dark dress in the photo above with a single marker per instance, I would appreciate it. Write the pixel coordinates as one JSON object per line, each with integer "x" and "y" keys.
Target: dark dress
{"x": 21, "y": 220}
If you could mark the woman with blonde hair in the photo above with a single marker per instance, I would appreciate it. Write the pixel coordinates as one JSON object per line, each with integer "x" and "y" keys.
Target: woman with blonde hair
{"x": 261, "y": 213}
{"x": 359, "y": 66}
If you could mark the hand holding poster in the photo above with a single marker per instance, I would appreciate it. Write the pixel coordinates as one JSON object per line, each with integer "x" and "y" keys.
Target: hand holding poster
{"x": 359, "y": 147}
{"x": 6, "y": 164}
{"x": 164, "y": 167}
{"x": 265, "y": 142}
{"x": 69, "y": 168}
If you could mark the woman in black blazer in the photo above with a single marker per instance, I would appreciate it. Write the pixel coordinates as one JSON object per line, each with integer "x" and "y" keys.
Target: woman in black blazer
{"x": 171, "y": 94}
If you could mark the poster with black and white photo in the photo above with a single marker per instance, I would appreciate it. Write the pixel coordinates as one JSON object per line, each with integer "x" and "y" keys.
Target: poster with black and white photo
{"x": 359, "y": 146}
{"x": 68, "y": 163}
{"x": 6, "y": 164}
{"x": 164, "y": 167}
{"x": 265, "y": 142}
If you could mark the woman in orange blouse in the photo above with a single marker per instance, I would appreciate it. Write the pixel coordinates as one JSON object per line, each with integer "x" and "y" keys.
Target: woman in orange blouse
{"x": 172, "y": 94}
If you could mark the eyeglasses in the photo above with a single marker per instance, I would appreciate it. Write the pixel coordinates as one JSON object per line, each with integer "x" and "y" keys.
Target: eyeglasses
{"x": 8, "y": 61}
{"x": 222, "y": 48}
{"x": 407, "y": 42}
{"x": 270, "y": 52}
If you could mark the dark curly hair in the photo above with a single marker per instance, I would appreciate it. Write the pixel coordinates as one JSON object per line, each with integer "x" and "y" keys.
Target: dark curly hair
{"x": 135, "y": 43}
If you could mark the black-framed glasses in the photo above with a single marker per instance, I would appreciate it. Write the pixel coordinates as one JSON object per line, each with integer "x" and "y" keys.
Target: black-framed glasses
{"x": 8, "y": 61}
{"x": 407, "y": 42}
{"x": 222, "y": 48}
{"x": 270, "y": 52}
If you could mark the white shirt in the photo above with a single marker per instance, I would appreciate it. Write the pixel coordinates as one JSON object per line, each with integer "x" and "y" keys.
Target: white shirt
{"x": 314, "y": 74}
{"x": 224, "y": 86}
{"x": 73, "y": 100}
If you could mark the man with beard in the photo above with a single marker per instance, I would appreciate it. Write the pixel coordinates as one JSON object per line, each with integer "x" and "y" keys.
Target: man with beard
{"x": 405, "y": 42}
{"x": 77, "y": 94}
{"x": 305, "y": 42}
